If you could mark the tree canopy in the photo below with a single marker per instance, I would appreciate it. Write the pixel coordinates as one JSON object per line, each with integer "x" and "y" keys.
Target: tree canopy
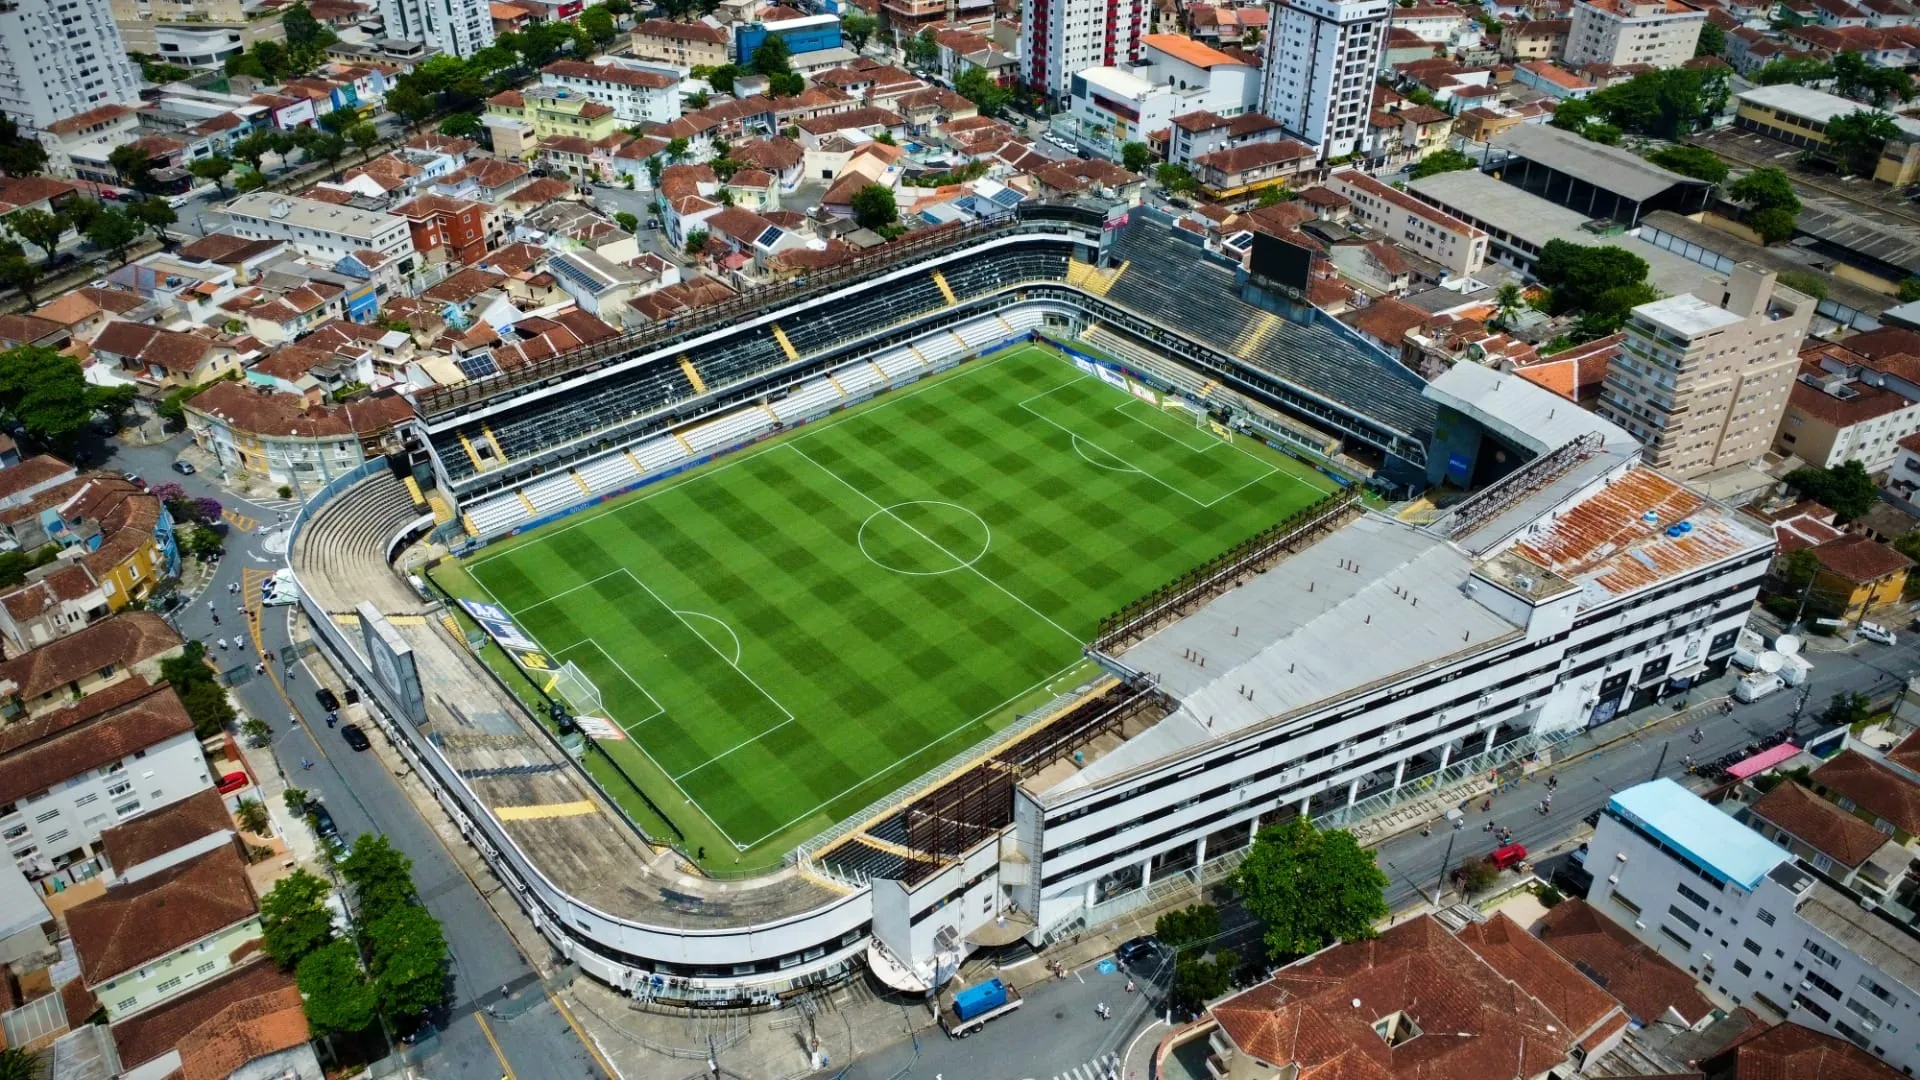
{"x": 380, "y": 875}
{"x": 1853, "y": 77}
{"x": 857, "y": 27}
{"x": 873, "y": 206}
{"x": 46, "y": 393}
{"x": 205, "y": 700}
{"x": 41, "y": 228}
{"x": 1695, "y": 161}
{"x": 1600, "y": 284}
{"x": 1846, "y": 488}
{"x": 338, "y": 999}
{"x": 1135, "y": 157}
{"x": 1856, "y": 139}
{"x": 988, "y": 96}
{"x": 295, "y": 920}
{"x": 407, "y": 953}
{"x": 1310, "y": 887}
{"x": 1664, "y": 104}
{"x": 1447, "y": 160}
{"x": 1772, "y": 205}
{"x": 20, "y": 155}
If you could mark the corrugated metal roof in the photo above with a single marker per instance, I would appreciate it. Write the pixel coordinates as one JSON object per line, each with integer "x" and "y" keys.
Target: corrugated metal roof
{"x": 1609, "y": 544}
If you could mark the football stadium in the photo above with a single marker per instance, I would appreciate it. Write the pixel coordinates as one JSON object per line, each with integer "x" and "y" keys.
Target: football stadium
{"x": 1000, "y": 581}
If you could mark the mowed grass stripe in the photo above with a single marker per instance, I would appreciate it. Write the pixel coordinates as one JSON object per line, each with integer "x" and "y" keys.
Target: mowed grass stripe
{"x": 877, "y": 673}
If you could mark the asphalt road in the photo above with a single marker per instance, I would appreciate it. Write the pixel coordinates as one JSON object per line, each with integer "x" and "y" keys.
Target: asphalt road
{"x": 535, "y": 1043}
{"x": 1414, "y": 862}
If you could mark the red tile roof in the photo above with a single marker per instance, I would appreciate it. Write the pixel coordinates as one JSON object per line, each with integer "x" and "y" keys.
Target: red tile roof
{"x": 1873, "y": 787}
{"x": 1861, "y": 559}
{"x": 148, "y": 1034}
{"x": 157, "y": 832}
{"x": 1788, "y": 1051}
{"x": 1828, "y": 829}
{"x": 123, "y": 640}
{"x": 131, "y": 924}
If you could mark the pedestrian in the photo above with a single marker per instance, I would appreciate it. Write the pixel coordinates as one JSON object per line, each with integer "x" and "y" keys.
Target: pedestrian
{"x": 216, "y": 618}
{"x": 1129, "y": 986}
{"x": 260, "y": 668}
{"x": 209, "y": 605}
{"x": 223, "y": 644}
{"x": 305, "y": 764}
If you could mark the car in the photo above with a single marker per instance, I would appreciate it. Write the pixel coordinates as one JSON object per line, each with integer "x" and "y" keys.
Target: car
{"x": 1136, "y": 951}
{"x": 355, "y": 737}
{"x": 323, "y": 825}
{"x": 327, "y": 698}
{"x": 135, "y": 479}
{"x": 1508, "y": 855}
{"x": 184, "y": 468}
{"x": 232, "y": 782}
{"x": 1873, "y": 631}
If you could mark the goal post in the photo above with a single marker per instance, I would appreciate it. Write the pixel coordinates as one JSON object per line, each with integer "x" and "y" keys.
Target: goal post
{"x": 572, "y": 686}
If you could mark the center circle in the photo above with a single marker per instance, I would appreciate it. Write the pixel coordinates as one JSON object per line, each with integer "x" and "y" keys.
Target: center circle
{"x": 924, "y": 537}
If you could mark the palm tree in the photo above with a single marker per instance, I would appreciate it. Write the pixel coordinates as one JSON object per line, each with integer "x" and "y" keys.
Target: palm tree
{"x": 19, "y": 1064}
{"x": 1508, "y": 300}
{"x": 252, "y": 816}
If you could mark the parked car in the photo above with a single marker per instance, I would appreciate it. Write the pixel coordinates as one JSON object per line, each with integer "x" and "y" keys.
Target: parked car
{"x": 135, "y": 479}
{"x": 1873, "y": 631}
{"x": 1509, "y": 855}
{"x": 355, "y": 737}
{"x": 232, "y": 782}
{"x": 184, "y": 468}
{"x": 1135, "y": 951}
{"x": 327, "y": 698}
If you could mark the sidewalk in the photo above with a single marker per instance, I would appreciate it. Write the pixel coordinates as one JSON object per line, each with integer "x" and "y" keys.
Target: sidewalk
{"x": 270, "y": 787}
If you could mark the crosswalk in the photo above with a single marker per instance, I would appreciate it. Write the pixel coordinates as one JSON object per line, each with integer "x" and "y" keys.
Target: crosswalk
{"x": 240, "y": 521}
{"x": 1103, "y": 1067}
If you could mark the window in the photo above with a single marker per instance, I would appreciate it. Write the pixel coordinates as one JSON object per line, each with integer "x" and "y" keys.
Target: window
{"x": 123, "y": 1006}
{"x": 1676, "y": 938}
{"x": 1750, "y": 946}
{"x": 1741, "y": 967}
{"x": 1821, "y": 954}
{"x": 1874, "y": 988}
{"x": 170, "y": 984}
{"x": 1684, "y": 918}
{"x": 204, "y": 968}
{"x": 1695, "y": 898}
{"x": 1766, "y": 916}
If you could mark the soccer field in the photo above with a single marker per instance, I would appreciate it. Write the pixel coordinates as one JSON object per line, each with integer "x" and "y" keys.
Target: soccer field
{"x": 795, "y": 630}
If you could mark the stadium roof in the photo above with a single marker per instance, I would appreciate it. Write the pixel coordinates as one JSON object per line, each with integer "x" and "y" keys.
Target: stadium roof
{"x": 1303, "y": 633}
{"x": 1609, "y": 168}
{"x": 1713, "y": 841}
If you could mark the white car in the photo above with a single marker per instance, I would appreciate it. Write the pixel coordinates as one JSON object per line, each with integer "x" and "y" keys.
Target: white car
{"x": 1875, "y": 632}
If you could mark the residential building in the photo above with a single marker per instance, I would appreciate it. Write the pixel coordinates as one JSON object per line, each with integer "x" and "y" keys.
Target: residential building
{"x": 1652, "y": 989}
{"x": 148, "y": 940}
{"x": 117, "y": 533}
{"x": 319, "y": 229}
{"x": 455, "y": 27}
{"x": 164, "y": 359}
{"x": 1702, "y": 384}
{"x": 454, "y": 230}
{"x": 167, "y": 836}
{"x": 192, "y": 33}
{"x": 1243, "y": 172}
{"x": 1116, "y": 104}
{"x": 1846, "y": 406}
{"x": 1061, "y": 38}
{"x": 1836, "y": 842}
{"x": 1193, "y": 134}
{"x": 52, "y": 602}
{"x": 519, "y": 120}
{"x": 1663, "y": 33}
{"x": 1321, "y": 59}
{"x": 1535, "y": 39}
{"x": 1799, "y": 115}
{"x": 1410, "y": 223}
{"x": 1553, "y": 80}
{"x": 1857, "y": 576}
{"x": 68, "y": 776}
{"x": 1680, "y": 876}
{"x": 244, "y": 1023}
{"x": 1362, "y": 1007}
{"x": 638, "y": 94}
{"x": 62, "y": 60}
{"x": 278, "y": 438}
{"x": 684, "y": 45}
{"x": 27, "y": 928}
{"x": 107, "y": 652}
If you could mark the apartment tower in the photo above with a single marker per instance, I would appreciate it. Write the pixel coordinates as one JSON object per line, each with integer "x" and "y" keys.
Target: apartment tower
{"x": 1658, "y": 32}
{"x": 456, "y": 27}
{"x": 1704, "y": 384}
{"x": 61, "y": 58}
{"x": 1065, "y": 37}
{"x": 1321, "y": 59}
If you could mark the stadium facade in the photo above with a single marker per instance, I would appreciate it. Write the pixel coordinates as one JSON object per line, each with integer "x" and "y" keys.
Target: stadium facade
{"x": 1341, "y": 661}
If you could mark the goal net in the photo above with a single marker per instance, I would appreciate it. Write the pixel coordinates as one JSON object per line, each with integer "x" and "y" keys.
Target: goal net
{"x": 573, "y": 687}
{"x": 1189, "y": 412}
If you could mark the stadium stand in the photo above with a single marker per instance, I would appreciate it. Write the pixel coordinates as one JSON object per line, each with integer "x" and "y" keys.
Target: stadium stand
{"x": 346, "y": 540}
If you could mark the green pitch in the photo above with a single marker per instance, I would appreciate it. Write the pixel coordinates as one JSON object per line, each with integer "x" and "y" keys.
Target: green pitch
{"x": 792, "y": 632}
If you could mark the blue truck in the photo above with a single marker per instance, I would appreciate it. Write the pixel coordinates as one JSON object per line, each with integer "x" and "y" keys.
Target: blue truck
{"x": 969, "y": 1010}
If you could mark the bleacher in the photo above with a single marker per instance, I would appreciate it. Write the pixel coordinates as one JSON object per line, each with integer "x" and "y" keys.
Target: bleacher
{"x": 631, "y": 402}
{"x": 658, "y": 452}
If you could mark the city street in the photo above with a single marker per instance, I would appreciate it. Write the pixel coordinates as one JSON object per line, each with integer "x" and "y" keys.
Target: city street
{"x": 535, "y": 1043}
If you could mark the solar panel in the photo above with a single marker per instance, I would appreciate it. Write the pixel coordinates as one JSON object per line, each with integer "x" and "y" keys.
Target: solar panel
{"x": 770, "y": 237}
{"x": 478, "y": 365}
{"x": 1008, "y": 198}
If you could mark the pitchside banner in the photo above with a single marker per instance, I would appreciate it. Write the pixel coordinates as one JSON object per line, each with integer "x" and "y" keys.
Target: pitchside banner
{"x": 500, "y": 626}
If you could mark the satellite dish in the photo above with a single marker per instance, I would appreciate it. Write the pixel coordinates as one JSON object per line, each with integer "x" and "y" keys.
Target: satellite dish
{"x": 1771, "y": 662}
{"x": 1786, "y": 645}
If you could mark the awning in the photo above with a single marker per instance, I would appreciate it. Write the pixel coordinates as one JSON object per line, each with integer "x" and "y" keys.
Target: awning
{"x": 1762, "y": 761}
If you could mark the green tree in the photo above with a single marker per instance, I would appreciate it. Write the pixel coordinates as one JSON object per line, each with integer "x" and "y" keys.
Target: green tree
{"x": 203, "y": 543}
{"x": 20, "y": 155}
{"x": 112, "y": 402}
{"x": 407, "y": 952}
{"x": 786, "y": 84}
{"x": 1273, "y": 195}
{"x": 1806, "y": 282}
{"x": 1713, "y": 41}
{"x": 677, "y": 148}
{"x": 1311, "y": 887}
{"x": 1507, "y": 300}
{"x": 988, "y": 96}
{"x": 461, "y": 126}
{"x": 1772, "y": 205}
{"x": 1608, "y": 311}
{"x": 363, "y": 135}
{"x": 1846, "y": 488}
{"x": 857, "y": 27}
{"x": 1188, "y": 929}
{"x": 627, "y": 221}
{"x": 1477, "y": 875}
{"x": 873, "y": 206}
{"x": 113, "y": 229}
{"x": 1853, "y": 77}
{"x": 721, "y": 78}
{"x": 335, "y": 993}
{"x": 1198, "y": 980}
{"x": 17, "y": 271}
{"x": 216, "y": 169}
{"x": 155, "y": 215}
{"x": 1572, "y": 114}
{"x": 133, "y": 166}
{"x": 45, "y": 393}
{"x": 1447, "y": 160}
{"x": 771, "y": 56}
{"x": 1856, "y": 139}
{"x": 1910, "y": 290}
{"x": 697, "y": 241}
{"x": 411, "y": 105}
{"x": 1582, "y": 277}
{"x": 597, "y": 21}
{"x": 303, "y": 29}
{"x": 1135, "y": 157}
{"x": 296, "y": 801}
{"x": 1802, "y": 72}
{"x": 1847, "y": 709}
{"x": 1175, "y": 177}
{"x": 41, "y": 228}
{"x": 379, "y": 873}
{"x": 295, "y": 920}
{"x": 252, "y": 148}
{"x": 922, "y": 51}
{"x": 272, "y": 59}
{"x": 19, "y": 1063}
{"x": 199, "y": 691}
{"x": 338, "y": 121}
{"x": 252, "y": 816}
{"x": 1695, "y": 161}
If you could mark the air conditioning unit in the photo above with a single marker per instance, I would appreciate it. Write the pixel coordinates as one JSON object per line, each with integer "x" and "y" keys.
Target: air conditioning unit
{"x": 1805, "y": 985}
{"x": 1620, "y": 856}
{"x": 1613, "y": 879}
{"x": 1639, "y": 925}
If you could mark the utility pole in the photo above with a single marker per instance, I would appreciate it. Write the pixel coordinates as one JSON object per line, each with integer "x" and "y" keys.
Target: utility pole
{"x": 1444, "y": 860}
{"x": 1663, "y": 760}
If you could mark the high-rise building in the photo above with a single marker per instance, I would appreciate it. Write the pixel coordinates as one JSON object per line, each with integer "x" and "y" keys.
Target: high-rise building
{"x": 457, "y": 27}
{"x": 1064, "y": 37}
{"x": 191, "y": 33}
{"x": 61, "y": 58}
{"x": 1321, "y": 59}
{"x": 1658, "y": 32}
{"x": 1703, "y": 384}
